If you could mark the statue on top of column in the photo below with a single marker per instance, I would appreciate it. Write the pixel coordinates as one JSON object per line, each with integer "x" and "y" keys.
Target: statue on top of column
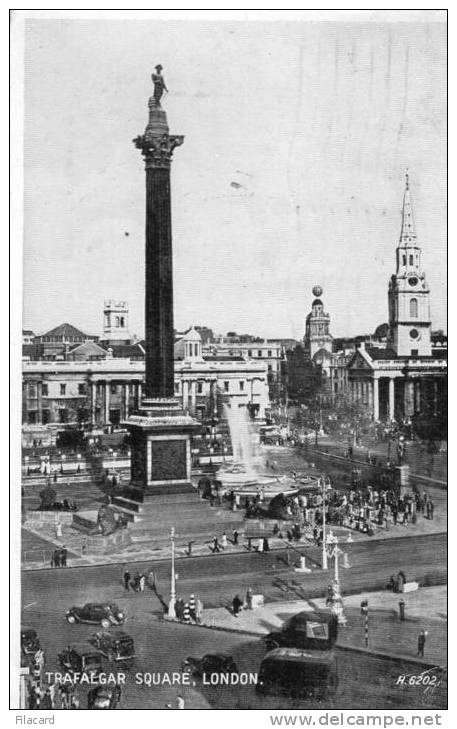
{"x": 159, "y": 84}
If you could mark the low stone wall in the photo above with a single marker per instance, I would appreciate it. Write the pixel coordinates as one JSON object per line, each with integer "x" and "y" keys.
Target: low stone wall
{"x": 99, "y": 544}
{"x": 41, "y": 518}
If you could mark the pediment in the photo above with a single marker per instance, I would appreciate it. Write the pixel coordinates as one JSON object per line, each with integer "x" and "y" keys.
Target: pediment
{"x": 359, "y": 363}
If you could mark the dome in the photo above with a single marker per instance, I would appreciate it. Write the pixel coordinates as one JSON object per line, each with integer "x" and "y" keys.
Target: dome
{"x": 318, "y": 290}
{"x": 192, "y": 336}
{"x": 317, "y": 302}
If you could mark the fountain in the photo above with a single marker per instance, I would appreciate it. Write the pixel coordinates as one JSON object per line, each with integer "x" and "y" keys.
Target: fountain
{"x": 248, "y": 476}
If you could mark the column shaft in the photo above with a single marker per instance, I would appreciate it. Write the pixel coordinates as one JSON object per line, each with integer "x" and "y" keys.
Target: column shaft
{"x": 376, "y": 399}
{"x": 391, "y": 398}
{"x": 107, "y": 392}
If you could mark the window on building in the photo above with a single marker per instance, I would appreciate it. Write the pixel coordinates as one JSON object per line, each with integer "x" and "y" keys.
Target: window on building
{"x": 45, "y": 416}
{"x": 81, "y": 388}
{"x": 113, "y": 389}
{"x": 413, "y": 308}
{"x": 249, "y": 352}
{"x": 32, "y": 390}
{"x": 176, "y": 386}
{"x": 63, "y": 415}
{"x": 226, "y": 386}
{"x": 270, "y": 368}
{"x": 63, "y": 391}
{"x": 122, "y": 321}
{"x": 259, "y": 353}
{"x": 414, "y": 353}
{"x": 269, "y": 353}
{"x": 241, "y": 385}
{"x": 44, "y": 390}
{"x": 31, "y": 417}
{"x": 404, "y": 260}
{"x": 411, "y": 260}
{"x": 199, "y": 387}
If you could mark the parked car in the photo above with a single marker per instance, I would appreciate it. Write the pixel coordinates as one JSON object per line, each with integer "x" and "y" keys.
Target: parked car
{"x": 305, "y": 630}
{"x": 116, "y": 646}
{"x": 104, "y": 614}
{"x": 81, "y": 658}
{"x": 298, "y": 673}
{"x": 210, "y": 663}
{"x": 29, "y": 641}
{"x": 104, "y": 697}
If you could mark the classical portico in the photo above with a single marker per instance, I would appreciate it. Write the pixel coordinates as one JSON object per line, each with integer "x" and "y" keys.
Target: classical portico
{"x": 396, "y": 388}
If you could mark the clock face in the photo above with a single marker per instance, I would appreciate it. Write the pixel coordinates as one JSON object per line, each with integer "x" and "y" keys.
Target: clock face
{"x": 414, "y": 334}
{"x": 413, "y": 281}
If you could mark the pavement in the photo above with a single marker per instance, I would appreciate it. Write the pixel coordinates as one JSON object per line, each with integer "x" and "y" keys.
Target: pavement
{"x": 425, "y": 609}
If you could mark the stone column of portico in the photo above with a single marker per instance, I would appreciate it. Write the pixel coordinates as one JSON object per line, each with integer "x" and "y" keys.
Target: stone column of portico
{"x": 409, "y": 398}
{"x": 435, "y": 397}
{"x": 213, "y": 396}
{"x": 370, "y": 396}
{"x": 391, "y": 398}
{"x": 106, "y": 403}
{"x": 93, "y": 396}
{"x": 193, "y": 397}
{"x": 417, "y": 396}
{"x": 126, "y": 399}
{"x": 39, "y": 396}
{"x": 185, "y": 395}
{"x": 376, "y": 398}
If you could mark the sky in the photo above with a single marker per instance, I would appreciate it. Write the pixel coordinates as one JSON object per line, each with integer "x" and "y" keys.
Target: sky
{"x": 297, "y": 137}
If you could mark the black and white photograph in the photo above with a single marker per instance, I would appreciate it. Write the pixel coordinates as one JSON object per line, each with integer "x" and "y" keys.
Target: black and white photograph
{"x": 229, "y": 237}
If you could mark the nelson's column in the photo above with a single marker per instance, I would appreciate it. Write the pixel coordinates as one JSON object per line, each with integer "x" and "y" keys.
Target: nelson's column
{"x": 160, "y": 431}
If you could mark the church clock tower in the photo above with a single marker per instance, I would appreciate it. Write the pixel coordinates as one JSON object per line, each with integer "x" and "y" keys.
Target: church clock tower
{"x": 409, "y": 304}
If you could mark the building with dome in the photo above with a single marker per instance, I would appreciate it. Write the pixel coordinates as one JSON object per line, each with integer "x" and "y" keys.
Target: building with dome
{"x": 407, "y": 375}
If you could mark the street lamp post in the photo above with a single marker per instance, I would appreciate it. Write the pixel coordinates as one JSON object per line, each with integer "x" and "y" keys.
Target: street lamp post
{"x": 324, "y": 532}
{"x": 171, "y": 604}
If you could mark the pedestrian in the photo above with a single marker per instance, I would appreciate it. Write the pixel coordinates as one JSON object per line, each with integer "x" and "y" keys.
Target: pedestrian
{"x": 224, "y": 540}
{"x": 260, "y": 545}
{"x": 186, "y": 614}
{"x": 237, "y": 604}
{"x": 431, "y": 508}
{"x": 180, "y": 702}
{"x": 179, "y": 608}
{"x": 57, "y": 558}
{"x": 235, "y": 536}
{"x": 63, "y": 556}
{"x": 152, "y": 579}
{"x": 142, "y": 582}
{"x": 215, "y": 545}
{"x": 126, "y": 580}
{"x": 198, "y": 611}
{"x": 249, "y": 594}
{"x": 136, "y": 581}
{"x": 421, "y": 643}
{"x": 192, "y": 607}
{"x": 266, "y": 545}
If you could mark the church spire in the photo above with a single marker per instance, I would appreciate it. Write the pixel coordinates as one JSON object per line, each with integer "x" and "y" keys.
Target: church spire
{"x": 408, "y": 230}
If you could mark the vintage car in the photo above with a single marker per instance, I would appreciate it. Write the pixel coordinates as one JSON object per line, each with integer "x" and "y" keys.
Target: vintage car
{"x": 116, "y": 646}
{"x": 29, "y": 641}
{"x": 298, "y": 673}
{"x": 210, "y": 663}
{"x": 104, "y": 614}
{"x": 81, "y": 658}
{"x": 305, "y": 630}
{"x": 104, "y": 697}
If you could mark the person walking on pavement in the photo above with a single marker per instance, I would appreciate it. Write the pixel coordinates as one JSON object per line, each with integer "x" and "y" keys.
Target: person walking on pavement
{"x": 260, "y": 545}
{"x": 236, "y": 604}
{"x": 63, "y": 556}
{"x": 192, "y": 607}
{"x": 235, "y": 537}
{"x": 46, "y": 701}
{"x": 180, "y": 704}
{"x": 249, "y": 598}
{"x": 215, "y": 545}
{"x": 126, "y": 580}
{"x": 224, "y": 541}
{"x": 152, "y": 579}
{"x": 421, "y": 643}
{"x": 431, "y": 508}
{"x": 142, "y": 582}
{"x": 198, "y": 611}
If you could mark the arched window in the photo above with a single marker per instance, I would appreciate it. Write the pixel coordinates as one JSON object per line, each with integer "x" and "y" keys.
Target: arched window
{"x": 117, "y": 321}
{"x": 413, "y": 308}
{"x": 404, "y": 260}
{"x": 411, "y": 260}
